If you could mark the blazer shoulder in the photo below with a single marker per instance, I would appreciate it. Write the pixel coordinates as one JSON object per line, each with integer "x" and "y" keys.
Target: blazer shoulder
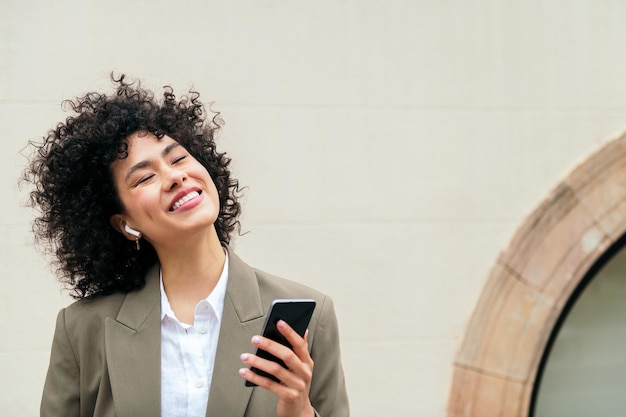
{"x": 85, "y": 315}
{"x": 277, "y": 287}
{"x": 272, "y": 287}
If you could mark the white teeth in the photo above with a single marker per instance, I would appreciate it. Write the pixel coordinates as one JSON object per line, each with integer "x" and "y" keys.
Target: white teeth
{"x": 183, "y": 200}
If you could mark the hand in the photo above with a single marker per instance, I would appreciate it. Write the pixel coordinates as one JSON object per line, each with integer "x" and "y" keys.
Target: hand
{"x": 293, "y": 390}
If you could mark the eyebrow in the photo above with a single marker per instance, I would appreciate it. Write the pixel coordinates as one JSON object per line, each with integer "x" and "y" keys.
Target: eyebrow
{"x": 146, "y": 163}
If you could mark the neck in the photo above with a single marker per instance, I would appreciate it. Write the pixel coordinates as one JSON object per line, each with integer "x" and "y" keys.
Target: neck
{"x": 191, "y": 270}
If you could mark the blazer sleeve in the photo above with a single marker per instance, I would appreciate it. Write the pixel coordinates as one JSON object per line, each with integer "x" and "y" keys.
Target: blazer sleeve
{"x": 328, "y": 388}
{"x": 62, "y": 387}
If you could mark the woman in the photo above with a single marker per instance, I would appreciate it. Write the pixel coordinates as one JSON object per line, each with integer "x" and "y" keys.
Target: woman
{"x": 138, "y": 207}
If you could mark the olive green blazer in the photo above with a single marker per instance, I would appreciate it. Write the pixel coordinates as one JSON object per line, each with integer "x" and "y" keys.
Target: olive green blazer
{"x": 106, "y": 352}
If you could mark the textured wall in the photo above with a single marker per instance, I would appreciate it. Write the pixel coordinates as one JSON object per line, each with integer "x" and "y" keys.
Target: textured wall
{"x": 391, "y": 148}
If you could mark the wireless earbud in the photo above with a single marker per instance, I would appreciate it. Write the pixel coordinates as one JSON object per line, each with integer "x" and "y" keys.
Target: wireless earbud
{"x": 132, "y": 231}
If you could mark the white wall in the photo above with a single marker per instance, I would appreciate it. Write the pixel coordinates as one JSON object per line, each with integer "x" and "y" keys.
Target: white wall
{"x": 390, "y": 148}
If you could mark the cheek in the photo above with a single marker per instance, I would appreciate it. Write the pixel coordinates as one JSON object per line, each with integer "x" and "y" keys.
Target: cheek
{"x": 202, "y": 173}
{"x": 213, "y": 191}
{"x": 141, "y": 202}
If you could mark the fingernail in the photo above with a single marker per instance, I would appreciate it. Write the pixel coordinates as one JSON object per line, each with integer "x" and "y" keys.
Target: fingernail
{"x": 282, "y": 324}
{"x": 256, "y": 340}
{"x": 242, "y": 371}
{"x": 244, "y": 357}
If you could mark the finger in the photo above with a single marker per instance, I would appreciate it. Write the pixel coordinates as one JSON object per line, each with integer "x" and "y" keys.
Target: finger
{"x": 284, "y": 393}
{"x": 272, "y": 347}
{"x": 298, "y": 361}
{"x": 271, "y": 367}
{"x": 261, "y": 381}
{"x": 303, "y": 365}
{"x": 287, "y": 378}
{"x": 297, "y": 372}
{"x": 300, "y": 346}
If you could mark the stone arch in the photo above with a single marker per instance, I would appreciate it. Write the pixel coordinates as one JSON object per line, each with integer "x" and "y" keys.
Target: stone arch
{"x": 531, "y": 284}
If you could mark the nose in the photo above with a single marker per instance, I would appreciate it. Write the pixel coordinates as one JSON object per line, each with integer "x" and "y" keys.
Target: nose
{"x": 173, "y": 178}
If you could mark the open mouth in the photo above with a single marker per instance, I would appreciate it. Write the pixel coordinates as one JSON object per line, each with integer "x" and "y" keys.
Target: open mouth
{"x": 184, "y": 199}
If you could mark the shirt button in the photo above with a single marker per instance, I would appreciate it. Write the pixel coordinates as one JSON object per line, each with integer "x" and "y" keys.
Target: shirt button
{"x": 199, "y": 384}
{"x": 202, "y": 329}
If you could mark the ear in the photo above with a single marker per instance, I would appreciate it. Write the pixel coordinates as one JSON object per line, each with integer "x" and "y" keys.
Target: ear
{"x": 118, "y": 222}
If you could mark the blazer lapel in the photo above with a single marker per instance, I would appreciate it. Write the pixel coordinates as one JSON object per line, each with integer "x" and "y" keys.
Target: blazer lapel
{"x": 133, "y": 351}
{"x": 240, "y": 321}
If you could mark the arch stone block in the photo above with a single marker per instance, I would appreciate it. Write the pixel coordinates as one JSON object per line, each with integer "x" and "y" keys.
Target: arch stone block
{"x": 532, "y": 281}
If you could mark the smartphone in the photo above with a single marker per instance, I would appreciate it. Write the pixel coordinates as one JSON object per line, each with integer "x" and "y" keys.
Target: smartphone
{"x": 297, "y": 314}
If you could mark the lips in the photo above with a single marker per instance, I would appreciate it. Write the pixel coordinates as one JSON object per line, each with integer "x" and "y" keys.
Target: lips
{"x": 182, "y": 198}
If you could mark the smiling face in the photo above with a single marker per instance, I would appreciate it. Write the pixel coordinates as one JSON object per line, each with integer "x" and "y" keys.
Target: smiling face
{"x": 166, "y": 193}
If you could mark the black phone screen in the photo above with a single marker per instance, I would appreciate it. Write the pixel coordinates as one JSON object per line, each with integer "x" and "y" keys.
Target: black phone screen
{"x": 297, "y": 314}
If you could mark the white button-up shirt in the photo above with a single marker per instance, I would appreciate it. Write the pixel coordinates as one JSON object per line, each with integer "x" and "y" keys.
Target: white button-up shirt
{"x": 188, "y": 353}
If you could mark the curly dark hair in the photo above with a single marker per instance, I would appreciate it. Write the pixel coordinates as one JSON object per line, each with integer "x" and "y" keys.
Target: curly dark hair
{"x": 72, "y": 182}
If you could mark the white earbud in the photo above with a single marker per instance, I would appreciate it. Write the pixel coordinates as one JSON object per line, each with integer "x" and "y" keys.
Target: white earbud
{"x": 132, "y": 231}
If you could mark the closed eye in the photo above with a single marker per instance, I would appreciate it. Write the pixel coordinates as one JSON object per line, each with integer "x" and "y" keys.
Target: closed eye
{"x": 144, "y": 179}
{"x": 178, "y": 159}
